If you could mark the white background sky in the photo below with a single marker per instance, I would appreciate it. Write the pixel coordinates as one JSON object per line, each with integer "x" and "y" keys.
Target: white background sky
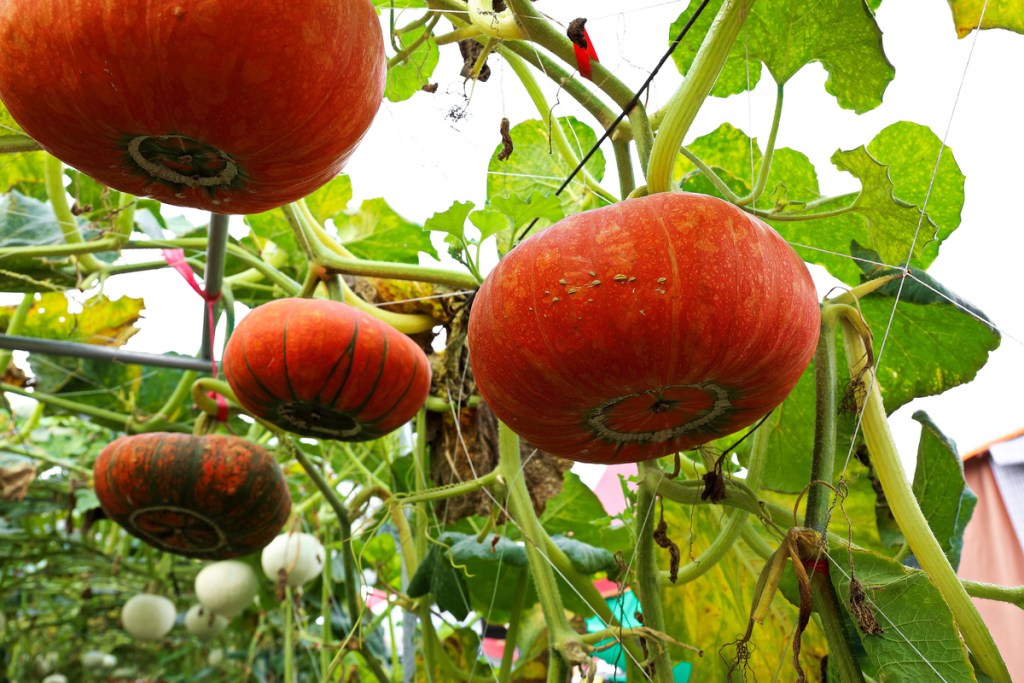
{"x": 421, "y": 161}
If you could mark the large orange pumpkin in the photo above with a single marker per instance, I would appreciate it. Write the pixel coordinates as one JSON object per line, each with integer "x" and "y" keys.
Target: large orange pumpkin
{"x": 234, "y": 106}
{"x": 641, "y": 329}
{"x": 213, "y": 497}
{"x": 321, "y": 368}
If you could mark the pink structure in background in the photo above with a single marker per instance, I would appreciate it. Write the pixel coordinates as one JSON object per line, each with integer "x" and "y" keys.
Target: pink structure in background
{"x": 609, "y": 490}
{"x": 994, "y": 538}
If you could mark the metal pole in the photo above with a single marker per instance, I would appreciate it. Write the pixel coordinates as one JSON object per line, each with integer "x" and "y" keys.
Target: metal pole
{"x": 213, "y": 275}
{"x": 52, "y": 347}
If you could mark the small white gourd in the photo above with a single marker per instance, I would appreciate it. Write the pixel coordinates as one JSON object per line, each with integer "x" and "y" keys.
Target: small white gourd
{"x": 148, "y": 617}
{"x": 46, "y": 663}
{"x": 92, "y": 659}
{"x": 226, "y": 587}
{"x": 300, "y": 556}
{"x": 203, "y": 622}
{"x": 55, "y": 678}
{"x": 215, "y": 658}
{"x": 501, "y": 25}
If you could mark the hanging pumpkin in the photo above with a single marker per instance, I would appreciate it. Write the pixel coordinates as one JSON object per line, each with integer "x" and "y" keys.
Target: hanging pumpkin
{"x": 643, "y": 328}
{"x": 323, "y": 369}
{"x": 214, "y": 496}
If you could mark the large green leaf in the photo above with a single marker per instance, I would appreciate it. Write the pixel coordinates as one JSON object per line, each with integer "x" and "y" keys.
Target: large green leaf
{"x": 377, "y": 233}
{"x": 936, "y": 341}
{"x": 919, "y": 641}
{"x": 408, "y": 76}
{"x": 537, "y": 166}
{"x": 25, "y": 222}
{"x": 787, "y": 35}
{"x": 446, "y": 583}
{"x": 911, "y": 151}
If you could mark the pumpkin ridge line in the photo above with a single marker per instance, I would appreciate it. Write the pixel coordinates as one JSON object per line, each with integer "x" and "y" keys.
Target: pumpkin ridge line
{"x": 348, "y": 370}
{"x": 376, "y": 380}
{"x": 401, "y": 398}
{"x": 284, "y": 355}
{"x": 256, "y": 379}
{"x": 349, "y": 351}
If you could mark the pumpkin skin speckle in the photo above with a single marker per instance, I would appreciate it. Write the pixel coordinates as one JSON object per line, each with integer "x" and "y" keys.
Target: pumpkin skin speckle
{"x": 233, "y": 107}
{"x": 323, "y": 369}
{"x": 710, "y": 321}
{"x": 213, "y": 497}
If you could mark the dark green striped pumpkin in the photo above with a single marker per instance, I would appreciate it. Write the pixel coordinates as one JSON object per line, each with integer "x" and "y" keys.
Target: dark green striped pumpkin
{"x": 323, "y": 369}
{"x": 212, "y": 497}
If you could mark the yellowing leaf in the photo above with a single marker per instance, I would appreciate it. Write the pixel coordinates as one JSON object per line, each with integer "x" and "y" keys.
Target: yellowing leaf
{"x": 1008, "y": 14}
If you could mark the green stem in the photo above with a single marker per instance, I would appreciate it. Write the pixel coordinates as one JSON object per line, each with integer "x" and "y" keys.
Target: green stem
{"x": 737, "y": 519}
{"x": 563, "y": 638}
{"x": 624, "y": 166}
{"x": 991, "y": 591}
{"x": 53, "y": 174}
{"x": 554, "y": 128}
{"x": 771, "y": 215}
{"x": 404, "y": 53}
{"x": 766, "y": 160}
{"x": 15, "y": 325}
{"x": 347, "y": 557}
{"x": 648, "y": 592}
{"x": 573, "y": 86}
{"x": 840, "y": 656}
{"x": 289, "y": 286}
{"x": 43, "y": 456}
{"x": 514, "y": 621}
{"x": 888, "y": 468}
{"x": 682, "y": 108}
{"x": 449, "y": 490}
{"x": 10, "y": 144}
{"x": 289, "y": 649}
{"x": 710, "y": 174}
{"x": 124, "y": 223}
{"x": 540, "y": 31}
{"x": 824, "y": 450}
{"x": 824, "y": 597}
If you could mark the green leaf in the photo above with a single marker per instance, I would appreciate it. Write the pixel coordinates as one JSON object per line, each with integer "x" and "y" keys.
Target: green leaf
{"x": 791, "y": 443}
{"x": 936, "y": 341}
{"x": 577, "y": 512}
{"x": 919, "y": 641}
{"x": 910, "y": 151}
{"x": 437, "y": 576}
{"x": 451, "y": 221}
{"x": 466, "y": 548}
{"x": 272, "y": 226}
{"x": 377, "y": 233}
{"x": 331, "y": 199}
{"x": 24, "y": 173}
{"x": 941, "y": 490}
{"x": 787, "y": 35}
{"x": 892, "y": 223}
{"x": 536, "y": 166}
{"x": 1008, "y": 14}
{"x": 489, "y": 222}
{"x": 408, "y": 76}
{"x": 101, "y": 321}
{"x": 545, "y": 208}
{"x": 738, "y": 74}
{"x": 28, "y": 222}
{"x": 584, "y": 557}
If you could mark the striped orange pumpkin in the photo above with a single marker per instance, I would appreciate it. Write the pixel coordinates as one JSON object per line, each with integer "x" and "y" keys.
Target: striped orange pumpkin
{"x": 213, "y": 497}
{"x": 323, "y": 369}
